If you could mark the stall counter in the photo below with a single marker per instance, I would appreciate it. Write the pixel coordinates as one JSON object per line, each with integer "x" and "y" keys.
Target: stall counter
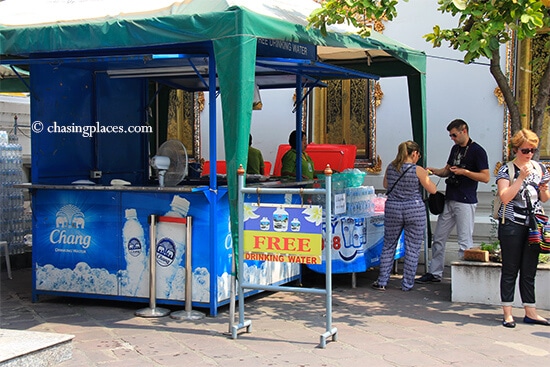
{"x": 85, "y": 244}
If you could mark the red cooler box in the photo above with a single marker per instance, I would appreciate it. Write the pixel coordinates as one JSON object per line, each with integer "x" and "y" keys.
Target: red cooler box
{"x": 338, "y": 156}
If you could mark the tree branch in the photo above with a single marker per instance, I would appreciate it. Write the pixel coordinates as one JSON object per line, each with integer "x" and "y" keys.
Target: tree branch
{"x": 506, "y": 90}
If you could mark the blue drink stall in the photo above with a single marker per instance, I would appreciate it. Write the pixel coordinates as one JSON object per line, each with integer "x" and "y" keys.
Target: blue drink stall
{"x": 93, "y": 134}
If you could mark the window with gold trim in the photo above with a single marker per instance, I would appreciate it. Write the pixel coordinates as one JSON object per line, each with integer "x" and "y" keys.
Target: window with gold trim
{"x": 345, "y": 113}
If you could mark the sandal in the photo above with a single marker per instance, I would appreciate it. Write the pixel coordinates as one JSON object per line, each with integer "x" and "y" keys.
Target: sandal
{"x": 378, "y": 287}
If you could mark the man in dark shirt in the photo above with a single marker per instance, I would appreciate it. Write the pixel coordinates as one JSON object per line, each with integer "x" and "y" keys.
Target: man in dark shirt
{"x": 466, "y": 166}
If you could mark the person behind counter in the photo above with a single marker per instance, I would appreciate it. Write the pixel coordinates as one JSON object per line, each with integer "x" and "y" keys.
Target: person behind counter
{"x": 255, "y": 164}
{"x": 405, "y": 210}
{"x": 289, "y": 159}
{"x": 522, "y": 195}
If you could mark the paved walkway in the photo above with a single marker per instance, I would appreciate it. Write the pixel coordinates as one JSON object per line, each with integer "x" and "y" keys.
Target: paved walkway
{"x": 391, "y": 328}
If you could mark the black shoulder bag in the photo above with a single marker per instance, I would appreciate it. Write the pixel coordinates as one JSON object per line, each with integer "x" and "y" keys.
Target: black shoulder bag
{"x": 436, "y": 202}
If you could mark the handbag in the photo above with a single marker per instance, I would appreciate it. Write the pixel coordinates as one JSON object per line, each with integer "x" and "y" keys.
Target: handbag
{"x": 541, "y": 235}
{"x": 539, "y": 229}
{"x": 436, "y": 203}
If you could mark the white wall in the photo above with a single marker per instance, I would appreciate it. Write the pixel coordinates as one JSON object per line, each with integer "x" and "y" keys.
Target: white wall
{"x": 270, "y": 126}
{"x": 453, "y": 90}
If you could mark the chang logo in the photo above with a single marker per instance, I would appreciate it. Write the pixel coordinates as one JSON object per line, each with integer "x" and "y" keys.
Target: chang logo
{"x": 166, "y": 252}
{"x": 134, "y": 247}
{"x": 69, "y": 216}
{"x": 69, "y": 221}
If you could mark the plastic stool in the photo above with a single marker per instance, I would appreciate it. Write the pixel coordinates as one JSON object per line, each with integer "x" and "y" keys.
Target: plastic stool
{"x": 4, "y": 245}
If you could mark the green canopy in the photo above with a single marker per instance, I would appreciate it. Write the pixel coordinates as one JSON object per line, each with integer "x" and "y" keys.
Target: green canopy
{"x": 253, "y": 42}
{"x": 13, "y": 79}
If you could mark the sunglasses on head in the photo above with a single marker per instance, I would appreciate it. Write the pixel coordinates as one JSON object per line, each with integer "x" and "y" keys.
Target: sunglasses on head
{"x": 528, "y": 150}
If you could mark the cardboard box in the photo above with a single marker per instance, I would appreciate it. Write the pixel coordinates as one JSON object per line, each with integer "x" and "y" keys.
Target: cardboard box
{"x": 476, "y": 254}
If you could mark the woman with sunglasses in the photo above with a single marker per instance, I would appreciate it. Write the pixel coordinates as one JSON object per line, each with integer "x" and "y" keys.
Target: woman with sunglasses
{"x": 521, "y": 197}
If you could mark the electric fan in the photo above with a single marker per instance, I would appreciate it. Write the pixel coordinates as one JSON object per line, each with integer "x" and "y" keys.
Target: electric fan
{"x": 171, "y": 162}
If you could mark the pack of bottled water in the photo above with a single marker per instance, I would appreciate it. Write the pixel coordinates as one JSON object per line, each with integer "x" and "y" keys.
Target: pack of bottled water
{"x": 14, "y": 224}
{"x": 359, "y": 201}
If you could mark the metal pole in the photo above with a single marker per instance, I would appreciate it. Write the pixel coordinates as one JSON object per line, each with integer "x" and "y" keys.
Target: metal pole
{"x": 299, "y": 168}
{"x": 152, "y": 310}
{"x": 233, "y": 329}
{"x": 15, "y": 125}
{"x": 330, "y": 331}
{"x": 238, "y": 277}
{"x": 188, "y": 314}
{"x": 232, "y": 291}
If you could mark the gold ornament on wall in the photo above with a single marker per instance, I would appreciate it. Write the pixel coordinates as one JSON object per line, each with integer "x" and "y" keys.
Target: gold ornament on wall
{"x": 200, "y": 100}
{"x": 499, "y": 95}
{"x": 377, "y": 166}
{"x": 378, "y": 94}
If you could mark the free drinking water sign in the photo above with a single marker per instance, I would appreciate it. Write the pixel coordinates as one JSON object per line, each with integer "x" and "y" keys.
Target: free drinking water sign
{"x": 283, "y": 233}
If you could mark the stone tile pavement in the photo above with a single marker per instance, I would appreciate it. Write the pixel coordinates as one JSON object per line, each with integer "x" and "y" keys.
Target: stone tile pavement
{"x": 391, "y": 328}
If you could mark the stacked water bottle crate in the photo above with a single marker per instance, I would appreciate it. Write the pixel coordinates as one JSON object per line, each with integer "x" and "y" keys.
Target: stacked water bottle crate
{"x": 13, "y": 223}
{"x": 359, "y": 201}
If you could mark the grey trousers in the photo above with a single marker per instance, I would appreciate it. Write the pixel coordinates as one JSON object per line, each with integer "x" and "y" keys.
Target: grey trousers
{"x": 457, "y": 214}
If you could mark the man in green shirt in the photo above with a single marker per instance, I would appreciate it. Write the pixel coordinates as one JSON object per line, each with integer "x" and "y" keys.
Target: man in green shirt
{"x": 289, "y": 159}
{"x": 255, "y": 160}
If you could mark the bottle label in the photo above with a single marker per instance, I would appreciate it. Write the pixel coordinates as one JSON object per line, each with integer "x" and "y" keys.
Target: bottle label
{"x": 264, "y": 224}
{"x": 134, "y": 247}
{"x": 166, "y": 252}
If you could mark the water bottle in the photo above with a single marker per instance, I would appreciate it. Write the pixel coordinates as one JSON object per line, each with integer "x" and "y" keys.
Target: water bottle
{"x": 170, "y": 249}
{"x": 135, "y": 254}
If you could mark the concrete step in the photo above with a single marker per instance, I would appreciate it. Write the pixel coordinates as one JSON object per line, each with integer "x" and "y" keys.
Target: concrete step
{"x": 32, "y": 348}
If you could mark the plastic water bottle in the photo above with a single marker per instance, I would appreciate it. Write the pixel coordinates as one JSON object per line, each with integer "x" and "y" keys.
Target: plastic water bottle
{"x": 137, "y": 267}
{"x": 171, "y": 246}
{"x": 11, "y": 198}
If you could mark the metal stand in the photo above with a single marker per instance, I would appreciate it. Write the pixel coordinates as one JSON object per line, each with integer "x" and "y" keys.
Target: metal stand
{"x": 188, "y": 313}
{"x": 152, "y": 310}
{"x": 237, "y": 282}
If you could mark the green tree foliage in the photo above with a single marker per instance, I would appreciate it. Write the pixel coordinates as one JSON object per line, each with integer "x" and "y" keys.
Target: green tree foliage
{"x": 483, "y": 27}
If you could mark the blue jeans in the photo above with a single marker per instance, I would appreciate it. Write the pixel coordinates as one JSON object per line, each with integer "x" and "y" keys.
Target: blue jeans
{"x": 517, "y": 257}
